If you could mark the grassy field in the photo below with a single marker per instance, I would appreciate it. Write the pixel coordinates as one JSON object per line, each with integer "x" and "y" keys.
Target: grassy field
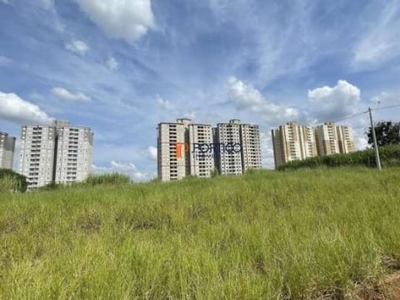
{"x": 268, "y": 235}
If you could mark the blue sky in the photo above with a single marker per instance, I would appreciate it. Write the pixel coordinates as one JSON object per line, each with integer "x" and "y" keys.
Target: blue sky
{"x": 121, "y": 67}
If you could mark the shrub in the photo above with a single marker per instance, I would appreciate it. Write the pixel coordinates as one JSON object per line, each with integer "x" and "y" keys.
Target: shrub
{"x": 12, "y": 181}
{"x": 390, "y": 156}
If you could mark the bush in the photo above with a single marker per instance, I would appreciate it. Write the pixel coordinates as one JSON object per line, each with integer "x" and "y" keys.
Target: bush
{"x": 390, "y": 156}
{"x": 11, "y": 181}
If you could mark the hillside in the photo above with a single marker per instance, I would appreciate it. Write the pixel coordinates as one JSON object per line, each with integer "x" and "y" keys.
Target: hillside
{"x": 309, "y": 234}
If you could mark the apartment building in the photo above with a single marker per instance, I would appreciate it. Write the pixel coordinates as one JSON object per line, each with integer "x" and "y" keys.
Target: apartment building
{"x": 7, "y": 149}
{"x": 327, "y": 139}
{"x": 73, "y": 153}
{"x": 58, "y": 153}
{"x": 346, "y": 139}
{"x": 229, "y": 161}
{"x": 202, "y": 153}
{"x": 245, "y": 152}
{"x": 173, "y": 150}
{"x": 293, "y": 142}
{"x": 251, "y": 147}
{"x": 36, "y": 160}
{"x": 187, "y": 149}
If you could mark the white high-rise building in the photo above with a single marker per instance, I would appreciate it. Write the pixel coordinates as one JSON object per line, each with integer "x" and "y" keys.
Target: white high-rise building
{"x": 186, "y": 149}
{"x": 251, "y": 147}
{"x": 36, "y": 159}
{"x": 173, "y": 150}
{"x": 7, "y": 149}
{"x": 229, "y": 160}
{"x": 58, "y": 153}
{"x": 201, "y": 150}
{"x": 73, "y": 152}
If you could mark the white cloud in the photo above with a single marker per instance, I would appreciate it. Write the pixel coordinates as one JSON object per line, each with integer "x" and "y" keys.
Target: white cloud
{"x": 6, "y": 1}
{"x": 380, "y": 44}
{"x": 180, "y": 112}
{"x": 4, "y": 61}
{"x": 112, "y": 64}
{"x": 386, "y": 99}
{"x": 247, "y": 97}
{"x": 45, "y": 4}
{"x": 189, "y": 115}
{"x": 152, "y": 152}
{"x": 120, "y": 18}
{"x": 164, "y": 104}
{"x": 124, "y": 168}
{"x": 67, "y": 95}
{"x": 334, "y": 103}
{"x": 267, "y": 153}
{"x": 78, "y": 47}
{"x": 15, "y": 109}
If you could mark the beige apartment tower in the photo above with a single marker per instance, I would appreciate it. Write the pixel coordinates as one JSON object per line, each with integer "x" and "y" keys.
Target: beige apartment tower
{"x": 7, "y": 149}
{"x": 293, "y": 142}
{"x": 346, "y": 139}
{"x": 58, "y": 153}
{"x": 327, "y": 139}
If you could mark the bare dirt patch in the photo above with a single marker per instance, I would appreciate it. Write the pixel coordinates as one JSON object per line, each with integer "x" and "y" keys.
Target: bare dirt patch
{"x": 387, "y": 288}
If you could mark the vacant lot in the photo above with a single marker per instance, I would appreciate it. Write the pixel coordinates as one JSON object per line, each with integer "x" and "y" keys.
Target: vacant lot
{"x": 267, "y": 235}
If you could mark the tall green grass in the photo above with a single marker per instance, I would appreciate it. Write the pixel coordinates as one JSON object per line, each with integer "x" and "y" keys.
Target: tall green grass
{"x": 267, "y": 235}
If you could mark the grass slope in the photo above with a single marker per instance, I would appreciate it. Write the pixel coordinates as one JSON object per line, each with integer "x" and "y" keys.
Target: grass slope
{"x": 267, "y": 235}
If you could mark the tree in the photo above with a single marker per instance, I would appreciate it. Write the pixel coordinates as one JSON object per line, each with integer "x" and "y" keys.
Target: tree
{"x": 387, "y": 133}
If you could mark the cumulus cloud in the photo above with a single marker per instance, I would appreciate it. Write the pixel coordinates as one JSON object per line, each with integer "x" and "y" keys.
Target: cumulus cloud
{"x": 121, "y": 167}
{"x": 267, "y": 153}
{"x": 120, "y": 19}
{"x": 112, "y": 64}
{"x": 152, "y": 153}
{"x": 17, "y": 110}
{"x": 78, "y": 47}
{"x": 247, "y": 97}
{"x": 67, "y": 95}
{"x": 334, "y": 103}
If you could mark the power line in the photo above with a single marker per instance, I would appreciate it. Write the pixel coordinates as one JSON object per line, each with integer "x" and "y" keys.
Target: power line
{"x": 362, "y": 113}
{"x": 352, "y": 116}
{"x": 386, "y": 107}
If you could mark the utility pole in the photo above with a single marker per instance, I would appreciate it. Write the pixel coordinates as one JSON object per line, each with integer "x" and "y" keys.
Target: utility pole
{"x": 378, "y": 160}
